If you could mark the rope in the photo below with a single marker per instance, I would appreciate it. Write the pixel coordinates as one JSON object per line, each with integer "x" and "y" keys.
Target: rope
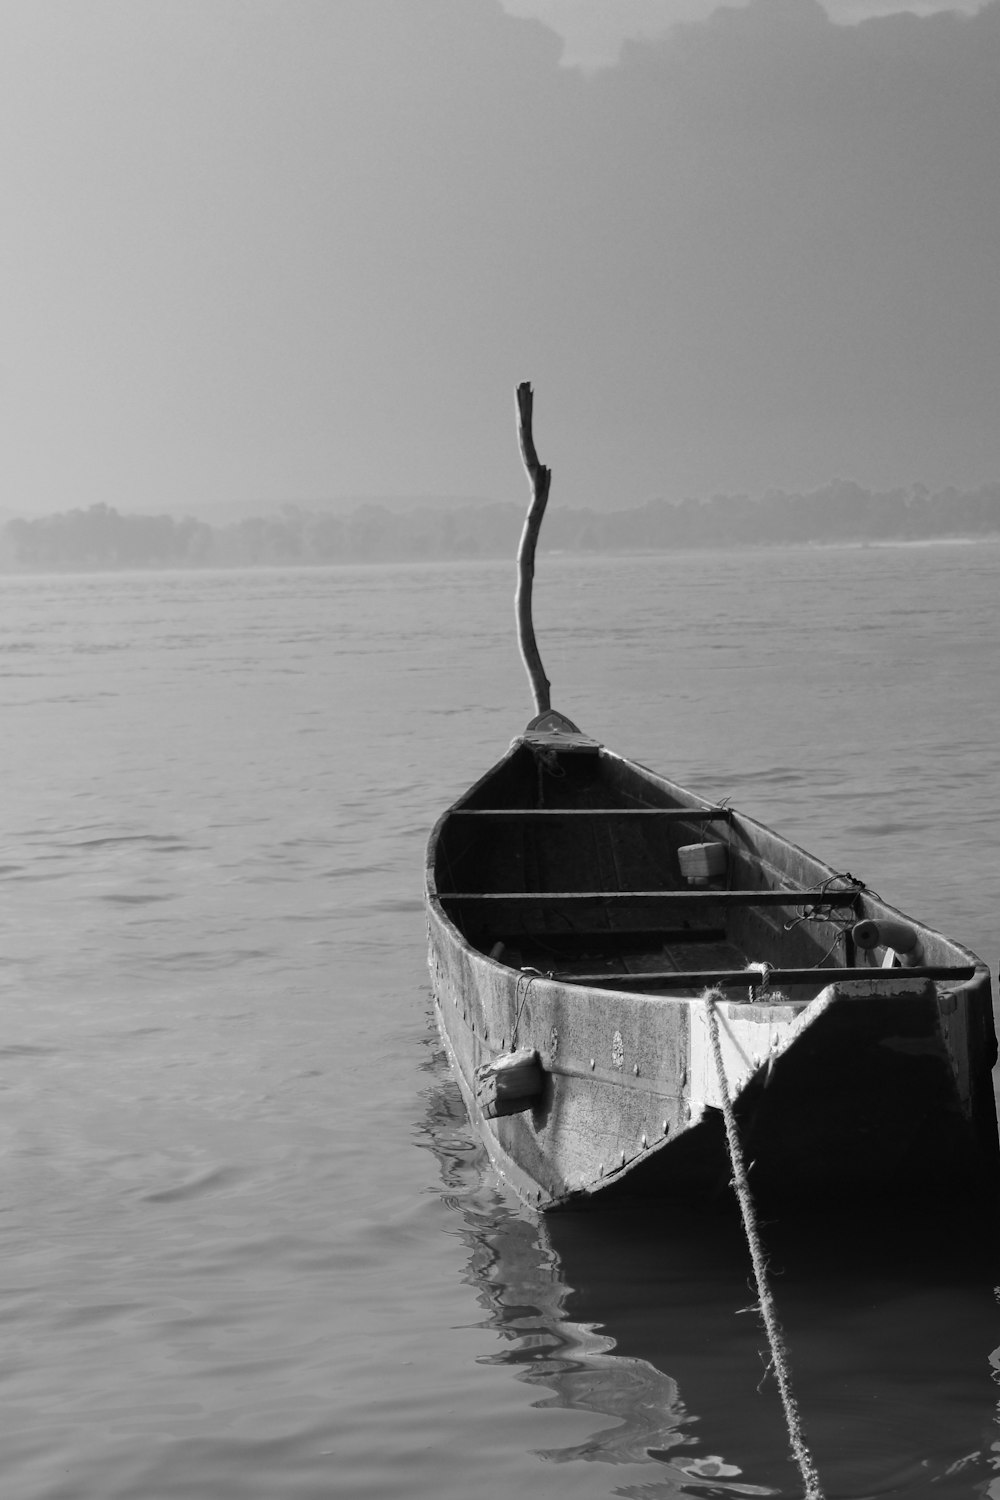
{"x": 547, "y": 762}
{"x": 768, "y": 1311}
{"x": 529, "y": 976}
{"x": 756, "y": 991}
{"x": 826, "y": 901}
{"x": 825, "y": 907}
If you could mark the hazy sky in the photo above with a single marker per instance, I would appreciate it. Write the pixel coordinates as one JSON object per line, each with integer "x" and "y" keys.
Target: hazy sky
{"x": 268, "y": 250}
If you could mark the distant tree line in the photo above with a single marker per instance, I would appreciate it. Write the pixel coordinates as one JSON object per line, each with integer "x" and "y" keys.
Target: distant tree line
{"x": 101, "y": 537}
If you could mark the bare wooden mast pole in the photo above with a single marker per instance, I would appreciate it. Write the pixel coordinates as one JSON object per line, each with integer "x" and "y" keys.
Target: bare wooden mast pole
{"x": 541, "y": 478}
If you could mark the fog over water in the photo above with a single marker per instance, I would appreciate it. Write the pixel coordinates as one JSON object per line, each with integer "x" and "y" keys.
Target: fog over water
{"x": 249, "y": 1246}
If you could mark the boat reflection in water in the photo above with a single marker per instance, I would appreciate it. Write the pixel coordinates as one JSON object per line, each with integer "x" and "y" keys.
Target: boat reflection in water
{"x": 647, "y": 1320}
{"x": 520, "y": 1283}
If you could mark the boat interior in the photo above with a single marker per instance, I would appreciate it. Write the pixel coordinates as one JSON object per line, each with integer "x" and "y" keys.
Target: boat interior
{"x": 584, "y": 866}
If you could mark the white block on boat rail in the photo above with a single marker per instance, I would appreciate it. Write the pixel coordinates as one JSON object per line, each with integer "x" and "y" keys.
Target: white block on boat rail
{"x": 749, "y": 1035}
{"x": 701, "y": 862}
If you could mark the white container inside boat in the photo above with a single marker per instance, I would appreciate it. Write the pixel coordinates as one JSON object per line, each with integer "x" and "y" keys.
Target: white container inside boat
{"x": 702, "y": 862}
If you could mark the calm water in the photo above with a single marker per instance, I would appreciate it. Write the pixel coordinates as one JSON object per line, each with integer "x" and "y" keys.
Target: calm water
{"x": 248, "y": 1247}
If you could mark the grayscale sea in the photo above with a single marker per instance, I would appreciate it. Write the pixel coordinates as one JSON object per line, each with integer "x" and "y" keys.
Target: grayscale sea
{"x": 249, "y": 1248}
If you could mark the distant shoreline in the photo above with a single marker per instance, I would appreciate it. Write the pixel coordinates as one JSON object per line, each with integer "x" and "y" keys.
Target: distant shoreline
{"x": 84, "y": 570}
{"x": 103, "y": 539}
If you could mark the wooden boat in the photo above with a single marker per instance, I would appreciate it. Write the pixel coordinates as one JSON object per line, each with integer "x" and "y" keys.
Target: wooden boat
{"x": 614, "y": 959}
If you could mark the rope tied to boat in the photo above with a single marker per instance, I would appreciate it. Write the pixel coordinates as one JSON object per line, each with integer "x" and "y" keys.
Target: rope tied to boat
{"x": 757, "y": 990}
{"x": 547, "y": 763}
{"x": 827, "y": 904}
{"x": 528, "y": 975}
{"x": 780, "y": 1361}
